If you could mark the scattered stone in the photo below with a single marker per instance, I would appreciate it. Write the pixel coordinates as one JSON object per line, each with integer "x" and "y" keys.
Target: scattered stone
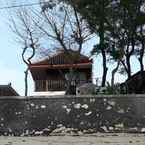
{"x": 46, "y": 131}
{"x": 133, "y": 130}
{"x": 2, "y": 119}
{"x": 43, "y": 106}
{"x": 68, "y": 110}
{"x": 88, "y": 113}
{"x": 111, "y": 128}
{"x": 36, "y": 107}
{"x": 64, "y": 106}
{"x": 112, "y": 103}
{"x": 38, "y": 133}
{"x": 143, "y": 130}
{"x": 80, "y": 133}
{"x": 89, "y": 131}
{"x": 32, "y": 104}
{"x": 108, "y": 108}
{"x": 105, "y": 99}
{"x": 59, "y": 130}
{"x": 92, "y": 100}
{"x": 104, "y": 129}
{"x": 85, "y": 106}
{"x": 119, "y": 126}
{"x": 59, "y": 125}
{"x": 77, "y": 106}
{"x": 121, "y": 111}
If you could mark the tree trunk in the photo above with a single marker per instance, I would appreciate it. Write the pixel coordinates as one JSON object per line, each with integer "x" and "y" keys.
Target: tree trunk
{"x": 69, "y": 87}
{"x": 105, "y": 69}
{"x": 128, "y": 56}
{"x": 102, "y": 41}
{"x": 128, "y": 67}
{"x": 141, "y": 57}
{"x": 26, "y": 82}
{"x": 113, "y": 74}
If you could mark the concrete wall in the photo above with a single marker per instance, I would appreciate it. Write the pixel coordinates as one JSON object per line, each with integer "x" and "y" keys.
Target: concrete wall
{"x": 21, "y": 115}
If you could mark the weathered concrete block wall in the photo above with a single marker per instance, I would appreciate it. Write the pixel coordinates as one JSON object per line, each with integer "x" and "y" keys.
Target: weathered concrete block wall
{"x": 93, "y": 113}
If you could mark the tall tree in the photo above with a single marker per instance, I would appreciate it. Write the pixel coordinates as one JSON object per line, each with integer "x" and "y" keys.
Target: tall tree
{"x": 130, "y": 12}
{"x": 97, "y": 13}
{"x": 28, "y": 37}
{"x": 69, "y": 30}
{"x": 120, "y": 18}
{"x": 59, "y": 25}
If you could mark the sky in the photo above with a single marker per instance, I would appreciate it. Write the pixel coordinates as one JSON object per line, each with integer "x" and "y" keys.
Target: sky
{"x": 11, "y": 64}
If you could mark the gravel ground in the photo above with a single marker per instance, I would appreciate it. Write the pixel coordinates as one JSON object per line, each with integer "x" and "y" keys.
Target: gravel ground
{"x": 95, "y": 139}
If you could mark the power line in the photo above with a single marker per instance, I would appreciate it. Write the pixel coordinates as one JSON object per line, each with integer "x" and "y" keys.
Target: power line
{"x": 18, "y": 6}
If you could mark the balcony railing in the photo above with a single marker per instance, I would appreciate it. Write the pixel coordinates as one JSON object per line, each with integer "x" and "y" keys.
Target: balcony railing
{"x": 55, "y": 85}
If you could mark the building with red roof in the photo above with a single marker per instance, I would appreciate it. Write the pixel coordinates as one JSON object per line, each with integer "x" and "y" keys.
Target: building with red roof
{"x": 51, "y": 74}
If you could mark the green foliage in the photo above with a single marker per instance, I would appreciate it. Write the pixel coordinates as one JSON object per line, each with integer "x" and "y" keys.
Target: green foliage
{"x": 109, "y": 90}
{"x": 117, "y": 24}
{"x": 122, "y": 71}
{"x": 116, "y": 53}
{"x": 112, "y": 89}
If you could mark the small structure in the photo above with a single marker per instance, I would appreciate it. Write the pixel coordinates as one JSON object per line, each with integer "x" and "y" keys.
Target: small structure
{"x": 134, "y": 85}
{"x": 7, "y": 90}
{"x": 51, "y": 74}
{"x": 86, "y": 89}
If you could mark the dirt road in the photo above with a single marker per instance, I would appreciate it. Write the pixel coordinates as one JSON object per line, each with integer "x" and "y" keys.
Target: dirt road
{"x": 96, "y": 139}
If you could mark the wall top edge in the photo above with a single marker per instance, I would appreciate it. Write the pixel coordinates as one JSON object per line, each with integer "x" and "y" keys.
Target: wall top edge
{"x": 72, "y": 96}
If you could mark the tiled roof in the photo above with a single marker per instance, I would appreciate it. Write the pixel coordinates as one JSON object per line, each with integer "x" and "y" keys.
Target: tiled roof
{"x": 64, "y": 58}
{"x": 7, "y": 90}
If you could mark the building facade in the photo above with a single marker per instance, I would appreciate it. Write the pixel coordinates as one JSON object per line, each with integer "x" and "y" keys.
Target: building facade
{"x": 52, "y": 74}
